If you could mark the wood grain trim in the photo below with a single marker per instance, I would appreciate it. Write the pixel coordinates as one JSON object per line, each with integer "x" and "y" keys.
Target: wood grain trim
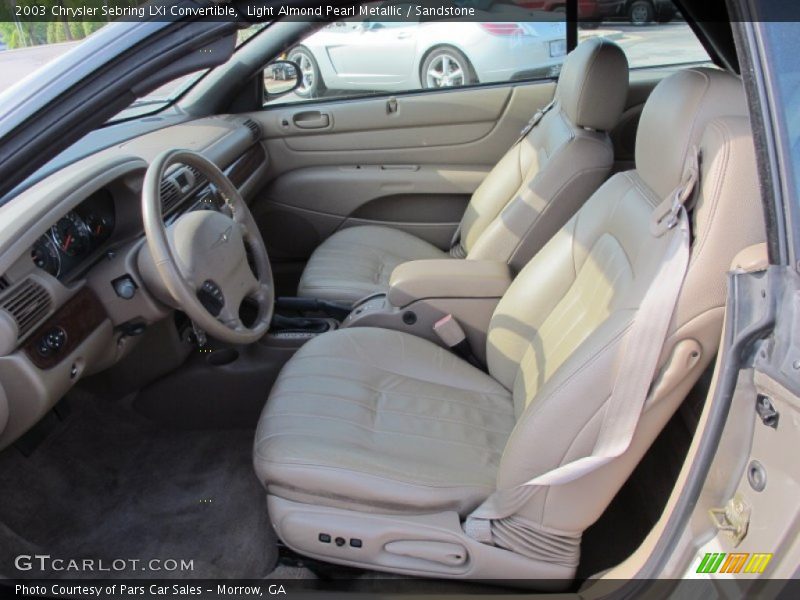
{"x": 246, "y": 165}
{"x": 79, "y": 317}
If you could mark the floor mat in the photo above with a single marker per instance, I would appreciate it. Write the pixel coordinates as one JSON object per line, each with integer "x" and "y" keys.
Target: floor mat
{"x": 108, "y": 484}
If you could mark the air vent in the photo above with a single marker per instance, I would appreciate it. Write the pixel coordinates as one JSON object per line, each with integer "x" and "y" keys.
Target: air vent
{"x": 28, "y": 305}
{"x": 3, "y": 283}
{"x": 255, "y": 130}
{"x": 199, "y": 178}
{"x": 170, "y": 195}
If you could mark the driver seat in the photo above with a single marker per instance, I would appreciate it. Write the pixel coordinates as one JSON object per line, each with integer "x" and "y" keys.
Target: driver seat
{"x": 375, "y": 445}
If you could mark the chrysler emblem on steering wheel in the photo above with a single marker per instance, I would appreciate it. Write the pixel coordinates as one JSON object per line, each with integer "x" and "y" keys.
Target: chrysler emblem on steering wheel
{"x": 223, "y": 238}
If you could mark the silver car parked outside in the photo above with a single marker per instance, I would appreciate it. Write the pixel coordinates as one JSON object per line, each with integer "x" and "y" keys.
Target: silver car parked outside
{"x": 398, "y": 56}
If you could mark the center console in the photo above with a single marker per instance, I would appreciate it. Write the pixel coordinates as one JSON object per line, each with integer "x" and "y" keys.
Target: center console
{"x": 421, "y": 292}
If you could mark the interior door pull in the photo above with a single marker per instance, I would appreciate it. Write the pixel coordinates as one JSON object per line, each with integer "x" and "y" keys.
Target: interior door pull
{"x": 311, "y": 119}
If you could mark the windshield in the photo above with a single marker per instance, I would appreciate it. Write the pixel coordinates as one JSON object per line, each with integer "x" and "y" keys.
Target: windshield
{"x": 25, "y": 48}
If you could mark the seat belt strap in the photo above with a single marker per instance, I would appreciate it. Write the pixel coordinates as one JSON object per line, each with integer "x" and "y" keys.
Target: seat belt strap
{"x": 535, "y": 120}
{"x": 456, "y": 248}
{"x": 636, "y": 371}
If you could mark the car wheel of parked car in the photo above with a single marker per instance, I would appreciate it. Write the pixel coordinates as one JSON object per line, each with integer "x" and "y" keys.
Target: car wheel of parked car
{"x": 641, "y": 12}
{"x": 446, "y": 67}
{"x": 312, "y": 85}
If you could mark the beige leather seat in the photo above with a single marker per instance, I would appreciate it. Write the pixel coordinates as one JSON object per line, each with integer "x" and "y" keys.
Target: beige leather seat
{"x": 534, "y": 189}
{"x": 379, "y": 437}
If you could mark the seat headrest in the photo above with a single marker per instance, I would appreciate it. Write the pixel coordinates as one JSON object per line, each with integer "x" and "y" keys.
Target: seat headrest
{"x": 593, "y": 84}
{"x": 675, "y": 117}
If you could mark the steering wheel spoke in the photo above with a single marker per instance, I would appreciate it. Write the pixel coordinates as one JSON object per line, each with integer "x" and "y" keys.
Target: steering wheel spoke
{"x": 262, "y": 293}
{"x": 231, "y": 319}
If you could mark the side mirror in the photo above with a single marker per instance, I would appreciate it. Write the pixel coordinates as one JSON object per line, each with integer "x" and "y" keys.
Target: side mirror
{"x": 280, "y": 77}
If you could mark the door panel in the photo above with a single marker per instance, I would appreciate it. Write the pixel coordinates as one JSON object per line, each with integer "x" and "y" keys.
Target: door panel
{"x": 412, "y": 168}
{"x": 426, "y": 200}
{"x": 410, "y": 137}
{"x": 440, "y": 108}
{"x": 410, "y": 162}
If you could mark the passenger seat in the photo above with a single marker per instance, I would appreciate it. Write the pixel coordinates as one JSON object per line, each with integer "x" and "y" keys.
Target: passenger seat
{"x": 529, "y": 195}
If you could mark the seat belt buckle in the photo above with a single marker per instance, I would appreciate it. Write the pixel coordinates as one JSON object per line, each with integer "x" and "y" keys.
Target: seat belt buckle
{"x": 449, "y": 331}
{"x": 453, "y": 336}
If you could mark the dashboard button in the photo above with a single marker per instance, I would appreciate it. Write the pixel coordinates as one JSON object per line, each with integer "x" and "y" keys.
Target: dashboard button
{"x": 211, "y": 297}
{"x": 52, "y": 341}
{"x": 43, "y": 348}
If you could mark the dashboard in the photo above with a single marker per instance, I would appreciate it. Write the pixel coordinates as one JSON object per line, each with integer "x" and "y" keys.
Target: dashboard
{"x": 73, "y": 300}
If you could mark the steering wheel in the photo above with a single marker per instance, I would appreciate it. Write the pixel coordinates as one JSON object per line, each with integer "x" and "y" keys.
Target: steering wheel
{"x": 202, "y": 257}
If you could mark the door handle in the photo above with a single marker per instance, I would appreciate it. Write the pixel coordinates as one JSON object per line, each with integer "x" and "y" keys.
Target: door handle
{"x": 311, "y": 119}
{"x": 403, "y": 36}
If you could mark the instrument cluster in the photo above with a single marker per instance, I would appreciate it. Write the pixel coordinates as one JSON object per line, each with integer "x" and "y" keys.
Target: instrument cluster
{"x": 75, "y": 236}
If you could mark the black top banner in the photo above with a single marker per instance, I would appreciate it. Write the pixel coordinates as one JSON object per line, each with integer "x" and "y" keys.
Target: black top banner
{"x": 102, "y": 11}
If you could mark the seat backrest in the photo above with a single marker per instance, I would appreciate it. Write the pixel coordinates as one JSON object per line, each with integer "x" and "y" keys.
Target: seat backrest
{"x": 557, "y": 335}
{"x": 541, "y": 181}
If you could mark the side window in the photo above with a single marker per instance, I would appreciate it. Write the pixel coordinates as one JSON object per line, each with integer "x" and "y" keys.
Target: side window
{"x": 651, "y": 32}
{"x": 503, "y": 41}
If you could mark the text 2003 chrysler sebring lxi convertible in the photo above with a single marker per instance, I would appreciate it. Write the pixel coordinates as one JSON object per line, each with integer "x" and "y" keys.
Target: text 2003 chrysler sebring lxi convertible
{"x": 296, "y": 300}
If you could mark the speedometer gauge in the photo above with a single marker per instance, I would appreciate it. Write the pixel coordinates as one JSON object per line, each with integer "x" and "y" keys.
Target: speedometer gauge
{"x": 45, "y": 255}
{"x": 71, "y": 235}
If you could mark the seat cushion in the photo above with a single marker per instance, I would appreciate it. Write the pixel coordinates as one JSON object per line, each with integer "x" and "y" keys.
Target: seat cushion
{"x": 374, "y": 419}
{"x": 358, "y": 261}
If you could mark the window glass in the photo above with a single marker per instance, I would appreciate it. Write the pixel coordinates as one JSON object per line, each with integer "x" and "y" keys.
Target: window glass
{"x": 504, "y": 41}
{"x": 783, "y": 45}
{"x": 651, "y": 32}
